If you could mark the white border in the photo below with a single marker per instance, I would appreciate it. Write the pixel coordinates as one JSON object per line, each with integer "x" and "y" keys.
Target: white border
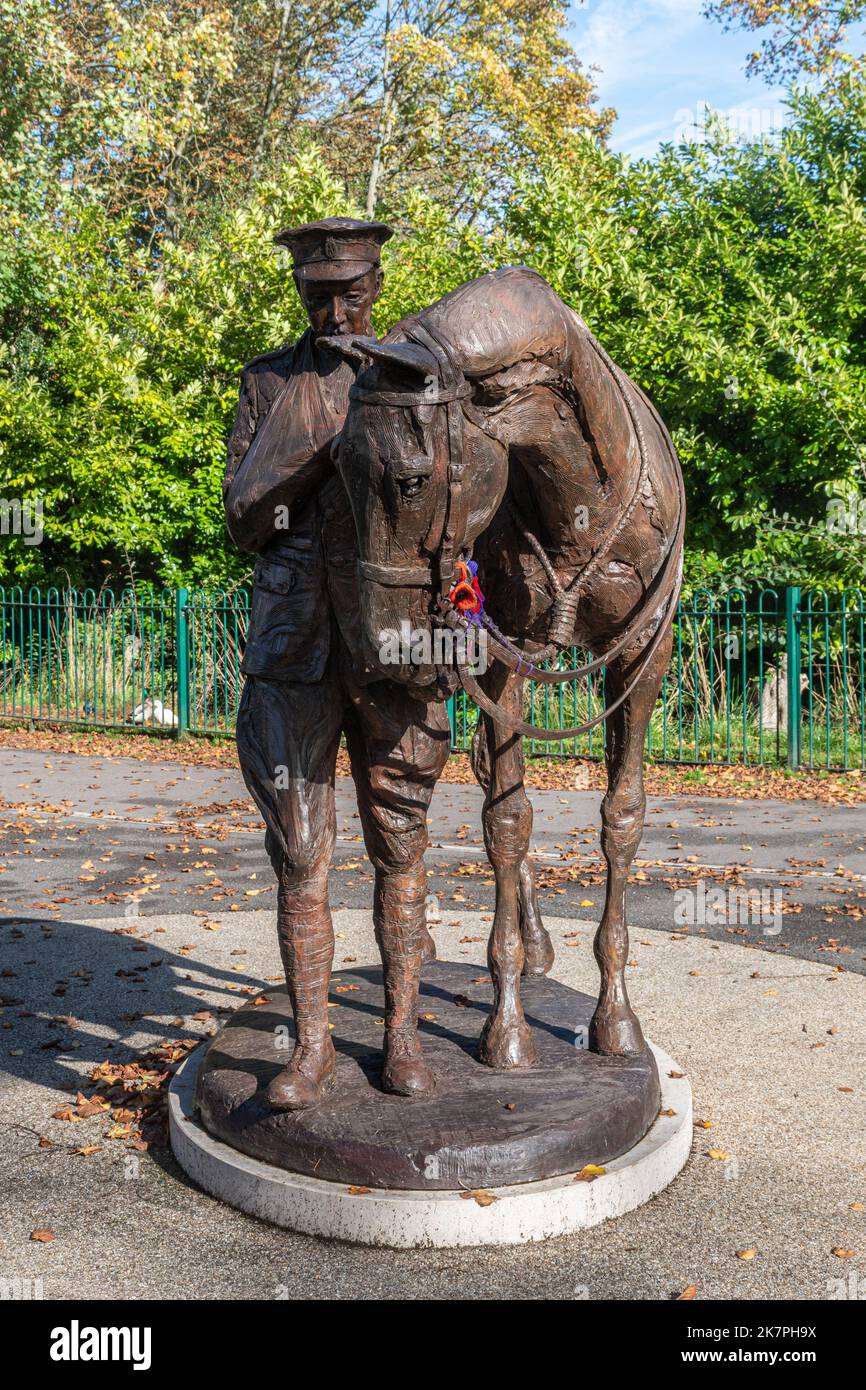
{"x": 401, "y": 1219}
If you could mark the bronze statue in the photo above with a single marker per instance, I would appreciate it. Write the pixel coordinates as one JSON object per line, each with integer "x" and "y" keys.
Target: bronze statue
{"x": 504, "y": 477}
{"x": 304, "y": 687}
{"x": 308, "y": 683}
{"x": 494, "y": 424}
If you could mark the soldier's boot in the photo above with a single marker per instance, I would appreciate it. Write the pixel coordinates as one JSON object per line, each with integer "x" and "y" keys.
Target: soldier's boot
{"x": 398, "y": 917}
{"x": 307, "y": 947}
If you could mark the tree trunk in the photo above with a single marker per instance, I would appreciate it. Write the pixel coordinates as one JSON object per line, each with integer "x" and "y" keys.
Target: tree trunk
{"x": 386, "y": 120}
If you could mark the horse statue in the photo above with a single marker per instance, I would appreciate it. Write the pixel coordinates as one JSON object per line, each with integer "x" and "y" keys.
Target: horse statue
{"x": 507, "y": 479}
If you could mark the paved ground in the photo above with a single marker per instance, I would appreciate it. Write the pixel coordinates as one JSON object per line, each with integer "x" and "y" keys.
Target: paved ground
{"x": 83, "y": 836}
{"x": 767, "y": 1045}
{"x": 773, "y": 1042}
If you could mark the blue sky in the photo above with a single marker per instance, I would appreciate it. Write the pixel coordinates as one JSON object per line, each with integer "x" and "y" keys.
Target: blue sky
{"x": 662, "y": 63}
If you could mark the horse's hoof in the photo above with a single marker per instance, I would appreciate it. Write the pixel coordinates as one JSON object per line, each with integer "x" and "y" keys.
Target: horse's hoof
{"x": 538, "y": 954}
{"x": 296, "y": 1089}
{"x": 428, "y": 948}
{"x": 408, "y": 1076}
{"x": 507, "y": 1046}
{"x": 615, "y": 1033}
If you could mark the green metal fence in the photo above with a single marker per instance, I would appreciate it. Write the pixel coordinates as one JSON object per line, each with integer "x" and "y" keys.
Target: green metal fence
{"x": 166, "y": 660}
{"x": 771, "y": 677}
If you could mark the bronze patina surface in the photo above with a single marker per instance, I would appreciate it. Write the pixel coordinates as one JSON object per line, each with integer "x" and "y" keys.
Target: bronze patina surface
{"x": 477, "y": 1128}
{"x": 309, "y": 680}
{"x": 484, "y": 468}
{"x": 493, "y": 431}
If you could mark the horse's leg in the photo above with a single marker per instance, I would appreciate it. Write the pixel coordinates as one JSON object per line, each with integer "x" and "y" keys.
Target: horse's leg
{"x": 398, "y": 747}
{"x": 506, "y": 1040}
{"x": 537, "y": 945}
{"x": 614, "y": 1029}
{"x": 287, "y": 736}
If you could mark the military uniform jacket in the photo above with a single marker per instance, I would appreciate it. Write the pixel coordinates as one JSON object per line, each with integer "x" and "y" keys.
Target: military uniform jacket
{"x": 292, "y": 404}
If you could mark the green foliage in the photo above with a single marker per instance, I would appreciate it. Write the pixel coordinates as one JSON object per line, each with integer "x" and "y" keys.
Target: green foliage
{"x": 730, "y": 280}
{"x": 115, "y": 409}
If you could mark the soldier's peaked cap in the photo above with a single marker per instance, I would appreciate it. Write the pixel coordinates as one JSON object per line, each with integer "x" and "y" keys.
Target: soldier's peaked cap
{"x": 338, "y": 248}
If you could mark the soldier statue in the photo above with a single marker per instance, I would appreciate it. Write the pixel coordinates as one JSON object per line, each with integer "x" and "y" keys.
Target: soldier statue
{"x": 307, "y": 683}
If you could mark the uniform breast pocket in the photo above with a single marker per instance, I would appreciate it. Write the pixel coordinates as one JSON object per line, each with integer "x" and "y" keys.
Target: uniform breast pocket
{"x": 289, "y": 633}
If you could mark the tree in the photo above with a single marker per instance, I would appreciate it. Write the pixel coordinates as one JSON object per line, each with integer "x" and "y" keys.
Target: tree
{"x": 451, "y": 94}
{"x": 730, "y": 280}
{"x": 117, "y": 413}
{"x": 804, "y": 36}
{"x": 167, "y": 112}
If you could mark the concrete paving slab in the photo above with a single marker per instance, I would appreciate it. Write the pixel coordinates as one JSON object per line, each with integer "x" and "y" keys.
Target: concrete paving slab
{"x": 775, "y": 1051}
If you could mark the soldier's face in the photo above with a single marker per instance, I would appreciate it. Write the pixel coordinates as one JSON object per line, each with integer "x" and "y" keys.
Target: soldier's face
{"x": 340, "y": 306}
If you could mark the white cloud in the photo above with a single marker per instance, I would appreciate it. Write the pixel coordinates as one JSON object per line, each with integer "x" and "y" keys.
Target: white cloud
{"x": 622, "y": 36}
{"x": 658, "y": 60}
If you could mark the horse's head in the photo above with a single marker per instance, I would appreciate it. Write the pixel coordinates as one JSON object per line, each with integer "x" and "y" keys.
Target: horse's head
{"x": 423, "y": 482}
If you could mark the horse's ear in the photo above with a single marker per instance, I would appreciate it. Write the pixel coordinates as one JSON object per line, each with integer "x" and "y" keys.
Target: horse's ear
{"x": 399, "y": 357}
{"x": 404, "y": 357}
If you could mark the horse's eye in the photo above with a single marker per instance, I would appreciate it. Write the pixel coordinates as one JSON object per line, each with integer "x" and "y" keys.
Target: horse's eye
{"x": 411, "y": 487}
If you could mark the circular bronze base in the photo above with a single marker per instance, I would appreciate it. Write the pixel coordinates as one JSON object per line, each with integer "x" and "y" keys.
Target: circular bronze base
{"x": 480, "y": 1128}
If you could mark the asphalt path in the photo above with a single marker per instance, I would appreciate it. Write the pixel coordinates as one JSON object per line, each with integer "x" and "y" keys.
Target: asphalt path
{"x": 137, "y": 912}
{"x": 84, "y": 837}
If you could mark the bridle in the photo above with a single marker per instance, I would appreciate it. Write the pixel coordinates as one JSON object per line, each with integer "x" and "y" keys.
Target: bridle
{"x": 451, "y": 391}
{"x": 451, "y": 575}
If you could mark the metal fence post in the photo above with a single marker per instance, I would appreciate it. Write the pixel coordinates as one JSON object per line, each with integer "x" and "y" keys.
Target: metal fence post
{"x": 792, "y": 649}
{"x": 181, "y": 654}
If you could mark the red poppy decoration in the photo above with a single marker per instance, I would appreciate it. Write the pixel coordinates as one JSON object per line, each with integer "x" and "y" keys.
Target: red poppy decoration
{"x": 466, "y": 593}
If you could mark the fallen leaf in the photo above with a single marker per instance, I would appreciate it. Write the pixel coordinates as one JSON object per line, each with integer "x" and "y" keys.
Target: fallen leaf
{"x": 118, "y": 1132}
{"x": 359, "y": 1191}
{"x": 687, "y": 1293}
{"x": 748, "y": 1254}
{"x": 589, "y": 1173}
{"x": 479, "y": 1195}
{"x": 42, "y": 1236}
